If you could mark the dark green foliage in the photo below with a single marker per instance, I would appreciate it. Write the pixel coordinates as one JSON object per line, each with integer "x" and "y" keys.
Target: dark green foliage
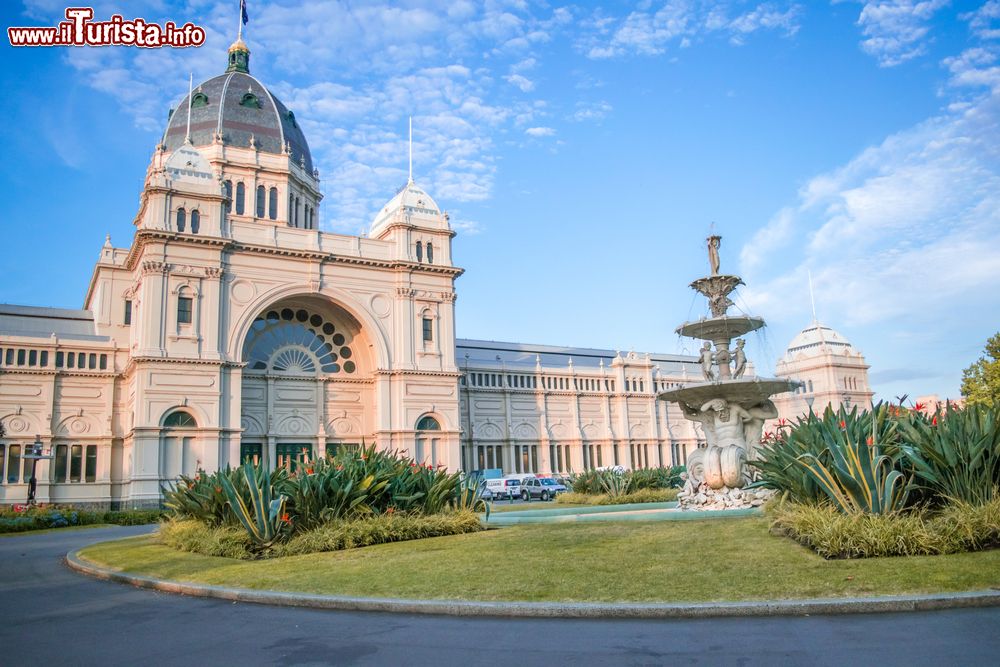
{"x": 351, "y": 485}
{"x": 598, "y": 481}
{"x": 955, "y": 454}
{"x": 816, "y": 440}
{"x": 981, "y": 380}
{"x": 57, "y": 516}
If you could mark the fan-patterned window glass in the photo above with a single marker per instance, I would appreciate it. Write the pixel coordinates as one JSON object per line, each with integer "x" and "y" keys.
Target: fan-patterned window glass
{"x": 180, "y": 419}
{"x": 298, "y": 341}
{"x": 428, "y": 423}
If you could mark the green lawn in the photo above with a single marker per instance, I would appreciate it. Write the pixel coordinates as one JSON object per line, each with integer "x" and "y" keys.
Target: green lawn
{"x": 721, "y": 559}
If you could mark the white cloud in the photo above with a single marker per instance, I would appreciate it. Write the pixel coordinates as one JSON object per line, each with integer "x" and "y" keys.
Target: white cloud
{"x": 646, "y": 32}
{"x": 595, "y": 111}
{"x": 985, "y": 21}
{"x": 540, "y": 131}
{"x": 525, "y": 84}
{"x": 903, "y": 241}
{"x": 896, "y": 30}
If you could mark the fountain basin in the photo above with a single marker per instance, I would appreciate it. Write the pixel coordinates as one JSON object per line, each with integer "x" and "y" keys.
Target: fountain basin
{"x": 720, "y": 328}
{"x": 746, "y": 393}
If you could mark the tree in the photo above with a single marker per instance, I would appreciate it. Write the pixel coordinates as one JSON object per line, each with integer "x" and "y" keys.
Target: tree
{"x": 981, "y": 380}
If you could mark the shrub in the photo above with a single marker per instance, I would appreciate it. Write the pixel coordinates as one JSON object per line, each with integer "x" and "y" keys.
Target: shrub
{"x": 234, "y": 542}
{"x": 600, "y": 481}
{"x": 58, "y": 516}
{"x": 196, "y": 537}
{"x": 832, "y": 534}
{"x": 378, "y": 529}
{"x": 640, "y": 496}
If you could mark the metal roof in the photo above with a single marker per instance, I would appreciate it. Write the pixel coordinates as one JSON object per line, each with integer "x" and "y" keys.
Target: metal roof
{"x": 485, "y": 352}
{"x": 37, "y": 322}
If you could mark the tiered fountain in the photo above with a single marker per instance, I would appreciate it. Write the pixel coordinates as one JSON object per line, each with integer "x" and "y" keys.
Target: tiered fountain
{"x": 731, "y": 409}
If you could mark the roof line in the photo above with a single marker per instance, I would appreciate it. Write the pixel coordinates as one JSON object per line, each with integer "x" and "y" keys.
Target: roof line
{"x": 222, "y": 101}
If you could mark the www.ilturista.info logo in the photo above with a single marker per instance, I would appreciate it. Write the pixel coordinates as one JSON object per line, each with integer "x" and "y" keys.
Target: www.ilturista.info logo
{"x": 80, "y": 30}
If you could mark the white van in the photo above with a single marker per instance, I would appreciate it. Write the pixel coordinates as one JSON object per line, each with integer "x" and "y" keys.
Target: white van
{"x": 505, "y": 487}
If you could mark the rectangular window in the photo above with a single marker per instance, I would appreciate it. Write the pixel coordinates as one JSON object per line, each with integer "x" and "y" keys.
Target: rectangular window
{"x": 184, "y": 308}
{"x": 93, "y": 362}
{"x": 75, "y": 463}
{"x": 71, "y": 360}
{"x": 13, "y": 464}
{"x": 3, "y": 452}
{"x": 10, "y": 356}
{"x": 104, "y": 362}
{"x": 20, "y": 357}
{"x": 428, "y": 330}
{"x": 127, "y": 319}
{"x": 60, "y": 463}
{"x": 290, "y": 456}
{"x": 90, "y": 474}
{"x": 43, "y": 359}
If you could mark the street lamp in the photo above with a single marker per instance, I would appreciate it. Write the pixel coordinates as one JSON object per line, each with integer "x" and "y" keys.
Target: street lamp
{"x": 34, "y": 452}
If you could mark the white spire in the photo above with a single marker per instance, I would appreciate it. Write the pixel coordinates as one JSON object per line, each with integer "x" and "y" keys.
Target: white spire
{"x": 812, "y": 297}
{"x": 187, "y": 137}
{"x": 410, "y": 179}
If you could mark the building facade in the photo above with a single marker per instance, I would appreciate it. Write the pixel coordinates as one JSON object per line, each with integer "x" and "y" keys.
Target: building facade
{"x": 233, "y": 328}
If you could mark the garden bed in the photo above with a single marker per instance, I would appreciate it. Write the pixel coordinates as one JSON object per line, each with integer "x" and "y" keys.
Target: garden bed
{"x": 47, "y": 518}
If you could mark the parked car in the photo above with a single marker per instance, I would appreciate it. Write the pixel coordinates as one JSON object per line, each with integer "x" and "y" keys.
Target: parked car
{"x": 485, "y": 492}
{"x": 504, "y": 487}
{"x": 542, "y": 488}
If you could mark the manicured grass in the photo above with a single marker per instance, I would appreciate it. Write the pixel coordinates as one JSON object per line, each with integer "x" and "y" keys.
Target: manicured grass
{"x": 721, "y": 559}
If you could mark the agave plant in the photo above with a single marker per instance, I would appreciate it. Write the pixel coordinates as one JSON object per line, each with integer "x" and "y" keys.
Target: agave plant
{"x": 615, "y": 484}
{"x": 857, "y": 476}
{"x": 469, "y": 495}
{"x": 955, "y": 454}
{"x": 264, "y": 517}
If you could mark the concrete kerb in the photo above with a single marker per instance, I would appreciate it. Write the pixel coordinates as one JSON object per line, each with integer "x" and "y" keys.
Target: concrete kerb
{"x": 900, "y": 603}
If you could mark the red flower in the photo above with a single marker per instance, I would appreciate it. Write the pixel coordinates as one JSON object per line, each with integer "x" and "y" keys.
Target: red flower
{"x": 843, "y": 424}
{"x": 390, "y": 510}
{"x": 919, "y": 407}
{"x": 934, "y": 421}
{"x": 870, "y": 441}
{"x": 309, "y": 471}
{"x": 287, "y": 519}
{"x": 782, "y": 422}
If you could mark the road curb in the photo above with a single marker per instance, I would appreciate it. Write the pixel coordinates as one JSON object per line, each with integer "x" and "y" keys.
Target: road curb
{"x": 900, "y": 603}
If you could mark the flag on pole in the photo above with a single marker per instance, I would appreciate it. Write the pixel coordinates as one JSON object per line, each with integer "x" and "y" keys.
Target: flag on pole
{"x": 243, "y": 11}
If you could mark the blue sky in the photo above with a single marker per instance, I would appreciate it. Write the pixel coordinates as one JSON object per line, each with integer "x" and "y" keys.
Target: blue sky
{"x": 583, "y": 152}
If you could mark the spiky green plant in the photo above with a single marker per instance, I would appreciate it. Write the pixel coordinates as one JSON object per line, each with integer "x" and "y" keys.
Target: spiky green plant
{"x": 469, "y": 495}
{"x": 264, "y": 517}
{"x": 955, "y": 454}
{"x": 857, "y": 476}
{"x": 813, "y": 438}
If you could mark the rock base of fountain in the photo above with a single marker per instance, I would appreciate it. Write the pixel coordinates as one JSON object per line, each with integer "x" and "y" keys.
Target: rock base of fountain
{"x": 705, "y": 498}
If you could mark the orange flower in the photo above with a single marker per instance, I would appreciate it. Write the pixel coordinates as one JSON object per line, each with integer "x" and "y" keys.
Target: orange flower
{"x": 934, "y": 421}
{"x": 287, "y": 519}
{"x": 390, "y": 510}
{"x": 870, "y": 441}
{"x": 843, "y": 424}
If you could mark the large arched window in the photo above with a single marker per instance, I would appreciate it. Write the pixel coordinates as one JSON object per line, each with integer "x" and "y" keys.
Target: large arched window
{"x": 298, "y": 342}
{"x": 195, "y": 221}
{"x": 428, "y": 423}
{"x": 241, "y": 192}
{"x": 260, "y": 201}
{"x": 272, "y": 204}
{"x": 228, "y": 188}
{"x": 180, "y": 419}
{"x": 181, "y": 219}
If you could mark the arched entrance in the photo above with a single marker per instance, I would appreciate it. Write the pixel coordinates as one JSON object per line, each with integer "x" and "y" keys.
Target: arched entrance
{"x": 308, "y": 383}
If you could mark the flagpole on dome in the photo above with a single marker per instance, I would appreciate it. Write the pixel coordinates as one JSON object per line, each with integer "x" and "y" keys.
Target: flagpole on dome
{"x": 190, "y": 91}
{"x": 243, "y": 19}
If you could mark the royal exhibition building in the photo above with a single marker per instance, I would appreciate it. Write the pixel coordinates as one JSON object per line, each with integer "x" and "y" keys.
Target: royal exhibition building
{"x": 232, "y": 327}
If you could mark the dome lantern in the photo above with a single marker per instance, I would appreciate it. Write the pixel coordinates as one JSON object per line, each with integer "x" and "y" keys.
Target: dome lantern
{"x": 239, "y": 57}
